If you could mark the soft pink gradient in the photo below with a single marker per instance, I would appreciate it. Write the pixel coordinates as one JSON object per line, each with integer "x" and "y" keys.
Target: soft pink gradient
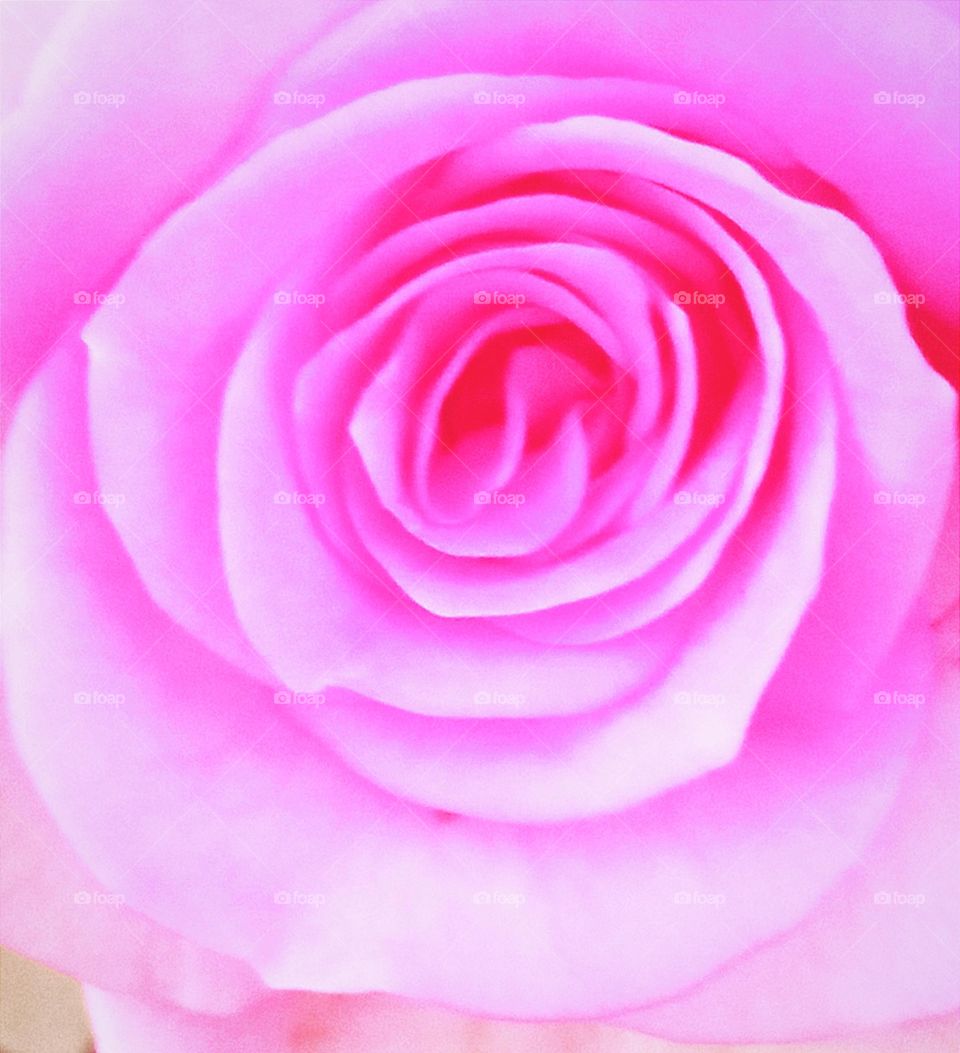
{"x": 499, "y": 493}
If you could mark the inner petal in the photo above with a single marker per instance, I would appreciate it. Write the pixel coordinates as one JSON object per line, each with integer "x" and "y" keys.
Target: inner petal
{"x": 573, "y": 353}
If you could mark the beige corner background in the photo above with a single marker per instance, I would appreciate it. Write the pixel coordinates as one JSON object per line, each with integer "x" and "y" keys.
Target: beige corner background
{"x": 42, "y": 1012}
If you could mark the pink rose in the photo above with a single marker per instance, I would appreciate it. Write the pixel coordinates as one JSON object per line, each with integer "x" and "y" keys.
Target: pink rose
{"x": 473, "y": 505}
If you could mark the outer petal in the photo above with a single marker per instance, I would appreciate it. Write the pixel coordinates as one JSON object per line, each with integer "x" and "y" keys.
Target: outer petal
{"x": 85, "y": 183}
{"x": 860, "y": 961}
{"x": 294, "y": 1022}
{"x": 55, "y": 910}
{"x": 867, "y": 957}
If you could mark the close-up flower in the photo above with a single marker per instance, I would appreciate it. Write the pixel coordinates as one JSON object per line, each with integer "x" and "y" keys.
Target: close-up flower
{"x": 480, "y": 520}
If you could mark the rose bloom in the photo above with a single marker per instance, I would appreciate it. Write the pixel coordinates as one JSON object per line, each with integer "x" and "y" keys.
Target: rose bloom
{"x": 479, "y": 519}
